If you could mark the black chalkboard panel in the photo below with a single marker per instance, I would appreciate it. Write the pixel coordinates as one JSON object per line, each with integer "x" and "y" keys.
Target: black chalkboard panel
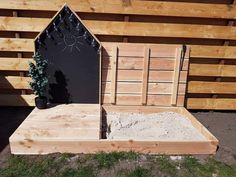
{"x": 73, "y": 56}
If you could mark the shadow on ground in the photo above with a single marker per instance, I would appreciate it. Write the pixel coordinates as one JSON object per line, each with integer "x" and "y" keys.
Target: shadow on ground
{"x": 10, "y": 119}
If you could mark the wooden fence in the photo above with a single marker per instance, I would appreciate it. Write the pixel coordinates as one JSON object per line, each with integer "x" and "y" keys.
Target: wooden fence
{"x": 206, "y": 26}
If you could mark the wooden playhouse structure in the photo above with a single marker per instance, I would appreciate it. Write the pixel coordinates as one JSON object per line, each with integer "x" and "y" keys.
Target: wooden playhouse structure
{"x": 77, "y": 127}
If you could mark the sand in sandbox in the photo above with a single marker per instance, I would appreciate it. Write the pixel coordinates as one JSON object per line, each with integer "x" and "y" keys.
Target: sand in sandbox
{"x": 157, "y": 126}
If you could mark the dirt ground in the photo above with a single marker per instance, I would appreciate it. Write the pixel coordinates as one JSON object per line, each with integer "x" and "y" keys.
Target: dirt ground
{"x": 221, "y": 124}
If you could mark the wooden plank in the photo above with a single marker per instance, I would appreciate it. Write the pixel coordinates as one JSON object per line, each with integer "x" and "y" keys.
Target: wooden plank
{"x": 14, "y": 82}
{"x": 44, "y": 144}
{"x": 136, "y": 88}
{"x": 212, "y": 70}
{"x": 137, "y": 63}
{"x": 16, "y": 45}
{"x": 114, "y": 74}
{"x": 198, "y": 125}
{"x": 131, "y": 99}
{"x": 145, "y": 75}
{"x": 176, "y": 77}
{"x": 15, "y": 64}
{"x": 219, "y": 52}
{"x": 182, "y": 9}
{"x": 16, "y": 100}
{"x": 211, "y": 103}
{"x": 136, "y": 75}
{"x": 128, "y": 28}
{"x": 197, "y": 51}
{"x": 211, "y": 87}
{"x": 150, "y": 147}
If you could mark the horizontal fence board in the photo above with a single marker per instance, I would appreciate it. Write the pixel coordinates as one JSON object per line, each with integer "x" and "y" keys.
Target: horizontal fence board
{"x": 16, "y": 45}
{"x": 14, "y": 82}
{"x": 211, "y": 87}
{"x": 212, "y": 70}
{"x": 128, "y": 28}
{"x": 15, "y": 64}
{"x": 16, "y": 100}
{"x": 211, "y": 103}
{"x": 197, "y": 51}
{"x": 131, "y": 7}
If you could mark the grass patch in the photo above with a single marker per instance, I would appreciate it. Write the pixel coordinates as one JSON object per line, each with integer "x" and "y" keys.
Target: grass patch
{"x": 211, "y": 167}
{"x": 139, "y": 172}
{"x": 166, "y": 165}
{"x": 234, "y": 156}
{"x": 22, "y": 167}
{"x": 107, "y": 160}
{"x": 82, "y": 172}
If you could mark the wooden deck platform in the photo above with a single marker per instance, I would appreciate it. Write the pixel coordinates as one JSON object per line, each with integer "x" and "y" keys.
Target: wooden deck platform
{"x": 59, "y": 123}
{"x": 76, "y": 129}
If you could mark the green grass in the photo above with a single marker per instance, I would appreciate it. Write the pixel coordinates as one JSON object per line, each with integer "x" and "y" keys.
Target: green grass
{"x": 82, "y": 172}
{"x": 63, "y": 165}
{"x": 107, "y": 160}
{"x": 139, "y": 172}
{"x": 22, "y": 167}
{"x": 166, "y": 165}
{"x": 195, "y": 168}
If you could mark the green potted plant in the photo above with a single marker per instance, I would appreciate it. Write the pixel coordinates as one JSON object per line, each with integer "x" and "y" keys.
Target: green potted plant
{"x": 37, "y": 72}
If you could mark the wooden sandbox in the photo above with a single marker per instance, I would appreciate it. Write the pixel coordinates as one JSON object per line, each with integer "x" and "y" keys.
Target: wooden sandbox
{"x": 136, "y": 78}
{"x": 78, "y": 130}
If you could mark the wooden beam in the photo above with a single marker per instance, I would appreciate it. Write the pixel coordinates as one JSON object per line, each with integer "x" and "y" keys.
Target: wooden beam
{"x": 197, "y": 51}
{"x": 214, "y": 70}
{"x": 114, "y": 74}
{"x": 176, "y": 77}
{"x": 16, "y": 45}
{"x": 14, "y": 82}
{"x": 145, "y": 74}
{"x": 17, "y": 100}
{"x": 211, "y": 87}
{"x": 200, "y": 10}
{"x": 211, "y": 103}
{"x": 15, "y": 64}
{"x": 119, "y": 28}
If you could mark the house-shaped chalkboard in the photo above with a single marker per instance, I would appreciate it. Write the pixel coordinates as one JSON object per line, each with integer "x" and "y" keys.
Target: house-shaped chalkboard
{"x": 73, "y": 55}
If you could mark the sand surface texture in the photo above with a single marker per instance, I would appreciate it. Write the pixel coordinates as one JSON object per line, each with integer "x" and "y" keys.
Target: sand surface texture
{"x": 157, "y": 126}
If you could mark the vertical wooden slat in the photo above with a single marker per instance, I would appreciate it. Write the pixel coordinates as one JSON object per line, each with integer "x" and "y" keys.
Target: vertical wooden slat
{"x": 145, "y": 74}
{"x": 126, "y": 19}
{"x": 114, "y": 73}
{"x": 19, "y": 55}
{"x": 176, "y": 77}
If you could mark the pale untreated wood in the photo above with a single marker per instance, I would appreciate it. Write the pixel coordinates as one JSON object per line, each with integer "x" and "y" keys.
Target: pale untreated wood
{"x": 212, "y": 70}
{"x": 114, "y": 74}
{"x": 41, "y": 142}
{"x": 145, "y": 75}
{"x": 136, "y": 75}
{"x": 15, "y": 64}
{"x": 211, "y": 87}
{"x": 128, "y": 28}
{"x": 150, "y": 147}
{"x": 211, "y": 103}
{"x": 132, "y": 7}
{"x": 176, "y": 77}
{"x": 136, "y": 88}
{"x": 14, "y": 82}
{"x": 16, "y": 100}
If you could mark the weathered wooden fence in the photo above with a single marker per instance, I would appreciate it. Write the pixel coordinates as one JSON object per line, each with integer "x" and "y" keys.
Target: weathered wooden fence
{"x": 206, "y": 26}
